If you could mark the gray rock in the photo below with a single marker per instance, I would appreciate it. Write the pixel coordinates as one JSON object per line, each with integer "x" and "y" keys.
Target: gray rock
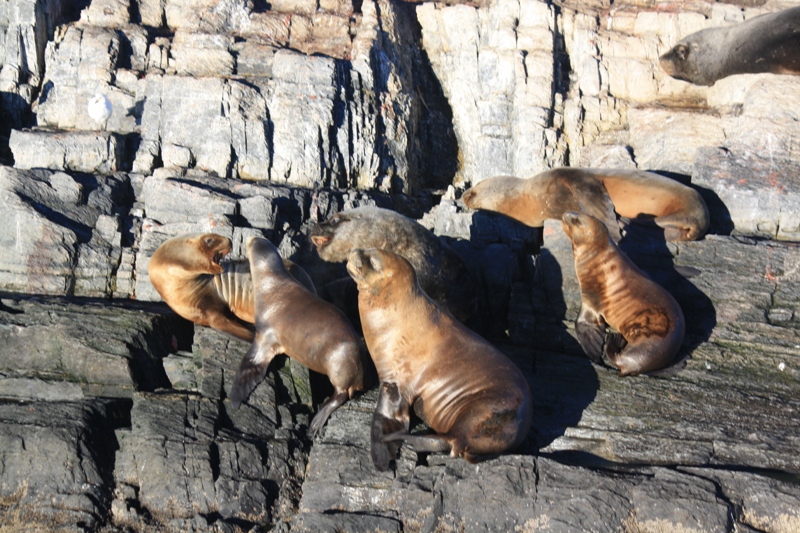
{"x": 101, "y": 350}
{"x": 62, "y": 234}
{"x": 747, "y": 194}
{"x": 56, "y": 463}
{"x": 98, "y": 153}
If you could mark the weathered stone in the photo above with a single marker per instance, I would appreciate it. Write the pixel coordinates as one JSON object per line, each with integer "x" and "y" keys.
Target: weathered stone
{"x": 495, "y": 66}
{"x": 74, "y": 441}
{"x": 99, "y": 153}
{"x": 60, "y": 231}
{"x": 106, "y": 351}
{"x": 751, "y": 196}
{"x": 107, "y": 13}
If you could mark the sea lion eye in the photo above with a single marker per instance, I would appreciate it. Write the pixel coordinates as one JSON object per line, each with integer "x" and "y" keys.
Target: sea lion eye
{"x": 209, "y": 241}
{"x": 682, "y": 52}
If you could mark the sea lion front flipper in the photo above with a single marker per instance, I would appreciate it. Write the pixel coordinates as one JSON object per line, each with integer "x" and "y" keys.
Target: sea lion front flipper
{"x": 421, "y": 443}
{"x": 251, "y": 372}
{"x": 231, "y": 326}
{"x": 591, "y": 331}
{"x": 330, "y": 405}
{"x": 391, "y": 415}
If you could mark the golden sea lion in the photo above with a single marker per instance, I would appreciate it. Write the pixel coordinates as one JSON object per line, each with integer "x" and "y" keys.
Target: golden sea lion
{"x": 615, "y": 293}
{"x": 442, "y": 273}
{"x": 189, "y": 274}
{"x": 642, "y": 197}
{"x": 467, "y": 391}
{"x": 767, "y": 43}
{"x": 292, "y": 320}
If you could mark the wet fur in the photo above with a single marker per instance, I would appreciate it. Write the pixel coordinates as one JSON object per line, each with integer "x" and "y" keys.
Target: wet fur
{"x": 638, "y": 196}
{"x": 292, "y": 320}
{"x": 615, "y": 293}
{"x": 474, "y": 398}
{"x": 767, "y": 43}
{"x": 441, "y": 272}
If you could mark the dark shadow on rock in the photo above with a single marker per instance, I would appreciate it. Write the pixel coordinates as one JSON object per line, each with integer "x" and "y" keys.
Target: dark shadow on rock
{"x": 564, "y": 380}
{"x": 721, "y": 223}
{"x": 15, "y": 113}
{"x": 654, "y": 257}
{"x": 562, "y": 385}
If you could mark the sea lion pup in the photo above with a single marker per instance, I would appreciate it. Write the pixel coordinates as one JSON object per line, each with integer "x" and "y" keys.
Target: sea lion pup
{"x": 767, "y": 43}
{"x": 442, "y": 273}
{"x": 616, "y": 293}
{"x": 639, "y": 196}
{"x": 466, "y": 390}
{"x": 189, "y": 274}
{"x": 292, "y": 320}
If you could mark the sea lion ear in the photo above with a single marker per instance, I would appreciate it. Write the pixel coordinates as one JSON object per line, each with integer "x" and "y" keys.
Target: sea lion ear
{"x": 376, "y": 262}
{"x": 682, "y": 52}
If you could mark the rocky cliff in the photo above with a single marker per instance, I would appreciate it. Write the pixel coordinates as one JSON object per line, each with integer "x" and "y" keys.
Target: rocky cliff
{"x": 247, "y": 117}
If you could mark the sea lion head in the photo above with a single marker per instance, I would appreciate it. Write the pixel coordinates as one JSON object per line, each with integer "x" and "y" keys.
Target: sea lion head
{"x": 198, "y": 253}
{"x": 335, "y": 237}
{"x": 263, "y": 255}
{"x": 374, "y": 269}
{"x": 583, "y": 229}
{"x": 498, "y": 194}
{"x": 682, "y": 61}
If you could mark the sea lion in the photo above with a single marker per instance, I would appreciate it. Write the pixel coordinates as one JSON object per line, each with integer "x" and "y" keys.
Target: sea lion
{"x": 616, "y": 293}
{"x": 442, "y": 274}
{"x": 292, "y": 320}
{"x": 767, "y": 43}
{"x": 189, "y": 273}
{"x": 636, "y": 195}
{"x": 474, "y": 398}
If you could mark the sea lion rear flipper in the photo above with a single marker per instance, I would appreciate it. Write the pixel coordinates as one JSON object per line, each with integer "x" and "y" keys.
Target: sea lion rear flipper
{"x": 615, "y": 343}
{"x": 251, "y": 372}
{"x": 591, "y": 329}
{"x": 391, "y": 415}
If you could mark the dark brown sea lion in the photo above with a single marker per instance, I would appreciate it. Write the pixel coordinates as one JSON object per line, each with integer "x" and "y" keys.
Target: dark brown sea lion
{"x": 292, "y": 320}
{"x": 442, "y": 274}
{"x": 767, "y": 43}
{"x": 639, "y": 196}
{"x": 467, "y": 391}
{"x": 189, "y": 273}
{"x": 615, "y": 293}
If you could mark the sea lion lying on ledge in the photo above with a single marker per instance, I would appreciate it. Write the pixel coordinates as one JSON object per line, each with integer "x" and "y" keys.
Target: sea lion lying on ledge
{"x": 615, "y": 293}
{"x": 474, "y": 398}
{"x": 639, "y": 196}
{"x": 767, "y": 43}
{"x": 442, "y": 273}
{"x": 292, "y": 320}
{"x": 189, "y": 273}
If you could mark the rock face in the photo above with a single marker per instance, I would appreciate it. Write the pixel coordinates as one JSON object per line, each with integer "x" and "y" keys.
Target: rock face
{"x": 254, "y": 118}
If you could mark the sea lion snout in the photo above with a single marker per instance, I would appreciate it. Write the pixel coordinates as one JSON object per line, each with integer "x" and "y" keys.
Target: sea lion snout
{"x": 468, "y": 197}
{"x": 320, "y": 240}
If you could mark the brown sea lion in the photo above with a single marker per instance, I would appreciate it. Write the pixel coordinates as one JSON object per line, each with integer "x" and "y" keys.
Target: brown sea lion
{"x": 189, "y": 273}
{"x": 474, "y": 398}
{"x": 639, "y": 196}
{"x": 615, "y": 293}
{"x": 442, "y": 274}
{"x": 767, "y": 43}
{"x": 292, "y": 320}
